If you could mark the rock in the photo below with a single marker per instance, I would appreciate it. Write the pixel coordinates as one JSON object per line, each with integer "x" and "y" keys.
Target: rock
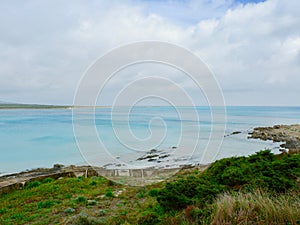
{"x": 153, "y": 150}
{"x": 283, "y": 150}
{"x": 151, "y": 160}
{"x": 148, "y": 157}
{"x": 69, "y": 210}
{"x": 58, "y": 166}
{"x": 92, "y": 202}
{"x": 163, "y": 156}
{"x": 232, "y": 133}
{"x": 290, "y": 134}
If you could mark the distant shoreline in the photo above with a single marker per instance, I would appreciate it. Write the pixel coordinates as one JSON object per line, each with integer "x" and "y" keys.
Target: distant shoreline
{"x": 32, "y": 106}
{"x": 36, "y": 106}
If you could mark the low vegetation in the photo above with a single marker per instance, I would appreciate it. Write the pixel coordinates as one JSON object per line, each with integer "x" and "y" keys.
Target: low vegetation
{"x": 260, "y": 189}
{"x": 257, "y": 207}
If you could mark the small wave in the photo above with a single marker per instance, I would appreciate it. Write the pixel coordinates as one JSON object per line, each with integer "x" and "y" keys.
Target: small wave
{"x": 50, "y": 138}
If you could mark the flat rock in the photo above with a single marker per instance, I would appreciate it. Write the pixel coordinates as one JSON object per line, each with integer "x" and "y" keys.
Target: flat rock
{"x": 289, "y": 134}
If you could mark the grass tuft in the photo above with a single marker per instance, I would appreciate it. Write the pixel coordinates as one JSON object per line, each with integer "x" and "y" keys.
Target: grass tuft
{"x": 257, "y": 207}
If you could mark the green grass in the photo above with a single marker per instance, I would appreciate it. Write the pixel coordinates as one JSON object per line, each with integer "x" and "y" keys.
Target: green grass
{"x": 261, "y": 189}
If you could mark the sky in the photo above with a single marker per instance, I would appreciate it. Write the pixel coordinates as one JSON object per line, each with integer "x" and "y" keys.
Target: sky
{"x": 251, "y": 47}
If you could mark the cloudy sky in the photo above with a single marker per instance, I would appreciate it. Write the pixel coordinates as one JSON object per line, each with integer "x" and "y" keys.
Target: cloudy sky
{"x": 252, "y": 47}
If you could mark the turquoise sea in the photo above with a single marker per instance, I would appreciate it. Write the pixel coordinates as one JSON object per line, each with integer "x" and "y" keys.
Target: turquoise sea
{"x": 32, "y": 138}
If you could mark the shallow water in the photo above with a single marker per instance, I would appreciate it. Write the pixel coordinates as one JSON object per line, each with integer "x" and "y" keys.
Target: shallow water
{"x": 34, "y": 138}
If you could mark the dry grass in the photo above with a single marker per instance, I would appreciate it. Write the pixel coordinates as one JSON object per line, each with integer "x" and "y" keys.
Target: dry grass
{"x": 257, "y": 208}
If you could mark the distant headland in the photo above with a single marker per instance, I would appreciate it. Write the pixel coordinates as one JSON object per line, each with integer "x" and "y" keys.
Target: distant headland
{"x": 5, "y": 105}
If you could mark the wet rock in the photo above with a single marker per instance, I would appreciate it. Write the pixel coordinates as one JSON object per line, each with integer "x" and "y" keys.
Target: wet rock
{"x": 148, "y": 157}
{"x": 163, "y": 156}
{"x": 151, "y": 160}
{"x": 233, "y": 133}
{"x": 153, "y": 151}
{"x": 290, "y": 134}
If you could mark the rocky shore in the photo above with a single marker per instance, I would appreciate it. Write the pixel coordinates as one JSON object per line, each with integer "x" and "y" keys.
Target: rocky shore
{"x": 134, "y": 177}
{"x": 19, "y": 180}
{"x": 289, "y": 134}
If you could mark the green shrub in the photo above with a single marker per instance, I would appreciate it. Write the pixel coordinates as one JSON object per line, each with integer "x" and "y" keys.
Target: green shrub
{"x": 154, "y": 192}
{"x": 81, "y": 199}
{"x": 33, "y": 184}
{"x": 141, "y": 193}
{"x": 109, "y": 193}
{"x": 68, "y": 195}
{"x": 17, "y": 216}
{"x": 201, "y": 214}
{"x": 93, "y": 183}
{"x": 99, "y": 179}
{"x": 48, "y": 180}
{"x": 262, "y": 170}
{"x": 188, "y": 191}
{"x": 45, "y": 204}
{"x": 148, "y": 218}
{"x": 3, "y": 210}
{"x": 178, "y": 194}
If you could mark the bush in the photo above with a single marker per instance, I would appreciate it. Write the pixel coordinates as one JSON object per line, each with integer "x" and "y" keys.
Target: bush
{"x": 200, "y": 214}
{"x": 93, "y": 183}
{"x": 262, "y": 170}
{"x": 45, "y": 204}
{"x": 109, "y": 193}
{"x": 178, "y": 194}
{"x": 3, "y": 210}
{"x": 81, "y": 199}
{"x": 33, "y": 184}
{"x": 48, "y": 180}
{"x": 148, "y": 218}
{"x": 154, "y": 192}
{"x": 188, "y": 191}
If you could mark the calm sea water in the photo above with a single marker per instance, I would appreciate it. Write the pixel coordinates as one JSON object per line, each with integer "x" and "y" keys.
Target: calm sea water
{"x": 40, "y": 138}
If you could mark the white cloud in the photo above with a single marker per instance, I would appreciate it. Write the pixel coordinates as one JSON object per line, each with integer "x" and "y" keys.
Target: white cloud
{"x": 45, "y": 46}
{"x": 254, "y": 48}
